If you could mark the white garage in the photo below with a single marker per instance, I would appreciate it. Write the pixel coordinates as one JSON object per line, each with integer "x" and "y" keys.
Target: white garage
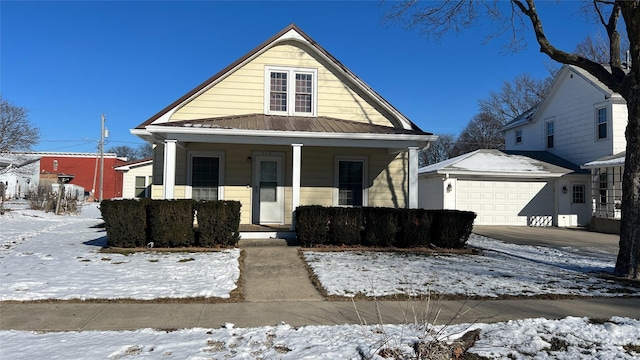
{"x": 505, "y": 189}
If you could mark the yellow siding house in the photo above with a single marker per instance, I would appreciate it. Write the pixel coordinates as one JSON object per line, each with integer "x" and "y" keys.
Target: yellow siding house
{"x": 285, "y": 125}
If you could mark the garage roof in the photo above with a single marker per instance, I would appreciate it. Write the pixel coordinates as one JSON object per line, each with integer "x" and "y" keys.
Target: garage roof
{"x": 497, "y": 163}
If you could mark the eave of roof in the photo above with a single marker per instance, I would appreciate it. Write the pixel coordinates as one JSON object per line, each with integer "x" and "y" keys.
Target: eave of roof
{"x": 607, "y": 161}
{"x": 132, "y": 164}
{"x": 259, "y": 48}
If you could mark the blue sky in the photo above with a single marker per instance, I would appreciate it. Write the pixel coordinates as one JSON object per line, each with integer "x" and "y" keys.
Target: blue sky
{"x": 69, "y": 62}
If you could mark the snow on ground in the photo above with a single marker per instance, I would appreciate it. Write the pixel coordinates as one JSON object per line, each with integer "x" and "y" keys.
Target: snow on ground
{"x": 522, "y": 339}
{"x": 503, "y": 269}
{"x": 43, "y": 256}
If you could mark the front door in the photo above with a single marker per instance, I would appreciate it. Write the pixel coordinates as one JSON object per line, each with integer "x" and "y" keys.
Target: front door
{"x": 268, "y": 190}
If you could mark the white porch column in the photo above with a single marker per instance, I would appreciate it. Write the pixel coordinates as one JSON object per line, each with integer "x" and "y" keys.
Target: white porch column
{"x": 295, "y": 181}
{"x": 413, "y": 177}
{"x": 169, "y": 169}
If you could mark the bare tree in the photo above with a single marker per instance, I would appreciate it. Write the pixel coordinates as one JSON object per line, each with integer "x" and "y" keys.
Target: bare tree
{"x": 518, "y": 17}
{"x": 594, "y": 48}
{"x": 144, "y": 151}
{"x": 515, "y": 97}
{"x": 438, "y": 151}
{"x": 482, "y": 132}
{"x": 124, "y": 151}
{"x": 16, "y": 132}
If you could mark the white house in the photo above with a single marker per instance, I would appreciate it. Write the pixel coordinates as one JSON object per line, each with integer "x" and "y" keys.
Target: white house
{"x": 583, "y": 121}
{"x": 136, "y": 178}
{"x": 580, "y": 122}
{"x": 19, "y": 174}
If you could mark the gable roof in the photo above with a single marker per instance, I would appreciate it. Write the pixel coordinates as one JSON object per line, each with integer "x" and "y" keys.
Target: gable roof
{"x": 291, "y": 32}
{"x": 497, "y": 163}
{"x": 530, "y": 114}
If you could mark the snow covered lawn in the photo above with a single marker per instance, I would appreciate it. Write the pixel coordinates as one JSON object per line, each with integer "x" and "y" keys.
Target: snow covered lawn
{"x": 44, "y": 256}
{"x": 503, "y": 270}
{"x": 618, "y": 338}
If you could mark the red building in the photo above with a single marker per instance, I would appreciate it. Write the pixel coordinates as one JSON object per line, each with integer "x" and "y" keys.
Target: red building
{"x": 85, "y": 170}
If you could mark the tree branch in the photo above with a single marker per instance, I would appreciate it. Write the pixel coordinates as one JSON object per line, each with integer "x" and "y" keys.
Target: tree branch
{"x": 558, "y": 55}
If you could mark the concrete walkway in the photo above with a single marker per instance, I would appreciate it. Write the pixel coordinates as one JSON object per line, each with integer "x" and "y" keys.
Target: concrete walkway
{"x": 275, "y": 274}
{"x": 277, "y": 289}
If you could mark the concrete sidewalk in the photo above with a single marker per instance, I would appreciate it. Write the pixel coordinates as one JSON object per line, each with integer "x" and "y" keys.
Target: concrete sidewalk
{"x": 64, "y": 316}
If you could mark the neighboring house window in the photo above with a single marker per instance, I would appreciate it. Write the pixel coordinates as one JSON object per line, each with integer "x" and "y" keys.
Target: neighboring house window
{"x": 351, "y": 182}
{"x": 141, "y": 187}
{"x": 550, "y": 135}
{"x": 602, "y": 123}
{"x": 205, "y": 177}
{"x": 292, "y": 91}
{"x": 518, "y": 136}
{"x": 603, "y": 189}
{"x": 55, "y": 165}
{"x": 578, "y": 194}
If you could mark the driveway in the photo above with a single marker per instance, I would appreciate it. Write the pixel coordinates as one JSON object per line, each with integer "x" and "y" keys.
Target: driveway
{"x": 555, "y": 237}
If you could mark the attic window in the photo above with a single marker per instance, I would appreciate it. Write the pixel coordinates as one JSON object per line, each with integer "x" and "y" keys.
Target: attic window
{"x": 291, "y": 91}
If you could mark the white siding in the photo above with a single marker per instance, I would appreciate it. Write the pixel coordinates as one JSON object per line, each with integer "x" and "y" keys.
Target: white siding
{"x": 572, "y": 104}
{"x": 129, "y": 179}
{"x": 620, "y": 118}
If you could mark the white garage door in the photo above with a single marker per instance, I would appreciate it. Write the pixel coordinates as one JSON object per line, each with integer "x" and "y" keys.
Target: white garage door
{"x": 507, "y": 202}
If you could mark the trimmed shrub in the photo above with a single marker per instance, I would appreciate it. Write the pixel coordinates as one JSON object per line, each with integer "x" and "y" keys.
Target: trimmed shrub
{"x": 125, "y": 222}
{"x": 312, "y": 225}
{"x": 171, "y": 223}
{"x": 345, "y": 226}
{"x": 380, "y": 226}
{"x": 414, "y": 228}
{"x": 451, "y": 228}
{"x": 218, "y": 223}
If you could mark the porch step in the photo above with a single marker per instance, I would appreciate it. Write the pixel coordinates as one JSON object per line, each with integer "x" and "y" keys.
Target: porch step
{"x": 267, "y": 242}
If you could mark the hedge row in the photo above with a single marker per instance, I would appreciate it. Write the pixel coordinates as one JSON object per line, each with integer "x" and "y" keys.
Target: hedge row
{"x": 383, "y": 227}
{"x": 169, "y": 223}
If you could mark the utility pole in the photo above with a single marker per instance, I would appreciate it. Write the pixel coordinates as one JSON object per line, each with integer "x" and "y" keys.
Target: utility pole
{"x": 101, "y": 156}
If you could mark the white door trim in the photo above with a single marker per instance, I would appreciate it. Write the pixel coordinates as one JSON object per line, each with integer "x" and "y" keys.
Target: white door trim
{"x": 257, "y": 158}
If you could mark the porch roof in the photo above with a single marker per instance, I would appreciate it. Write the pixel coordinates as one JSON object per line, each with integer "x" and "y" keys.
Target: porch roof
{"x": 287, "y": 130}
{"x": 262, "y": 122}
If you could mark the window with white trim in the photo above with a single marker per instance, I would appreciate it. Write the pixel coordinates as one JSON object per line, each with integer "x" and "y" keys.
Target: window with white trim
{"x": 549, "y": 132}
{"x": 141, "y": 187}
{"x": 518, "y": 136}
{"x": 601, "y": 129}
{"x": 351, "y": 182}
{"x": 206, "y": 176}
{"x": 290, "y": 91}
